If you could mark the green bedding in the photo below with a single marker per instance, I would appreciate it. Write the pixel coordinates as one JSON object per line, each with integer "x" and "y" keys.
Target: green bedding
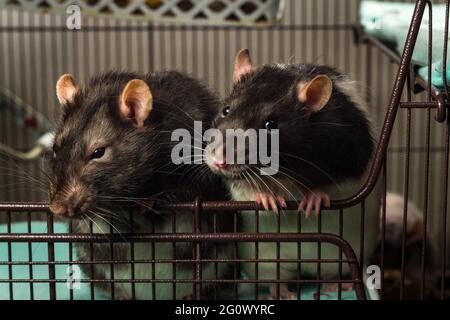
{"x": 390, "y": 21}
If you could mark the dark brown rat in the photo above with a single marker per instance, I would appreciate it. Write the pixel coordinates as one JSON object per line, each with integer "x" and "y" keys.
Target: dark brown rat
{"x": 112, "y": 152}
{"x": 325, "y": 146}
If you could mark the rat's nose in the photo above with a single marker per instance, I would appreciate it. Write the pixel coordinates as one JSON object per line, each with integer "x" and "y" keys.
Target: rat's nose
{"x": 221, "y": 164}
{"x": 218, "y": 158}
{"x": 58, "y": 209}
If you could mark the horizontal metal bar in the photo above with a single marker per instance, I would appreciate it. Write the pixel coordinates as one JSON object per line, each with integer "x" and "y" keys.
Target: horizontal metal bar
{"x": 422, "y": 105}
{"x": 177, "y": 237}
{"x": 119, "y": 262}
{"x": 205, "y": 206}
{"x": 308, "y": 281}
{"x": 24, "y": 206}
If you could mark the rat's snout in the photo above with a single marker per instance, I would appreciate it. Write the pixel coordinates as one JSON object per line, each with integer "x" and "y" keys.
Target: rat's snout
{"x": 216, "y": 158}
{"x": 58, "y": 208}
{"x": 69, "y": 203}
{"x": 221, "y": 164}
{"x": 66, "y": 208}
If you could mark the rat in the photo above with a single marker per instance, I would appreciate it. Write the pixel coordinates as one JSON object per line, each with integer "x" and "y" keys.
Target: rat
{"x": 112, "y": 159}
{"x": 325, "y": 147}
{"x": 392, "y": 249}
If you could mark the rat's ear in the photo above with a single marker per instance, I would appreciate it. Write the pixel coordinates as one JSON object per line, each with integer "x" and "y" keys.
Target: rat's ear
{"x": 242, "y": 64}
{"x": 136, "y": 102}
{"x": 66, "y": 88}
{"x": 316, "y": 93}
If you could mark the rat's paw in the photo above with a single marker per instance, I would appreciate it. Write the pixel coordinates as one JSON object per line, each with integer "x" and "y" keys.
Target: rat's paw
{"x": 270, "y": 201}
{"x": 314, "y": 199}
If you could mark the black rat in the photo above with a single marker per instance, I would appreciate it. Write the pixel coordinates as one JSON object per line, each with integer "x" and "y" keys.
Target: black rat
{"x": 325, "y": 147}
{"x": 112, "y": 152}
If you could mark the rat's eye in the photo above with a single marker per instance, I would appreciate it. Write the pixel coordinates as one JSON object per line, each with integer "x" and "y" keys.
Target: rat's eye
{"x": 270, "y": 124}
{"x": 97, "y": 154}
{"x": 225, "y": 111}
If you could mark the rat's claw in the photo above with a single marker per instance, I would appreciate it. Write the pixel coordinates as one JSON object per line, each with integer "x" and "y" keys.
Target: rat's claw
{"x": 301, "y": 206}
{"x": 326, "y": 200}
{"x": 270, "y": 202}
{"x": 314, "y": 199}
{"x": 261, "y": 198}
{"x": 273, "y": 204}
{"x": 309, "y": 207}
{"x": 265, "y": 202}
{"x": 281, "y": 201}
{"x": 317, "y": 203}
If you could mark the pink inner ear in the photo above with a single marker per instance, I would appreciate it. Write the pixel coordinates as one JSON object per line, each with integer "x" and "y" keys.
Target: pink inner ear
{"x": 66, "y": 88}
{"x": 136, "y": 102}
{"x": 315, "y": 94}
{"x": 126, "y": 110}
{"x": 242, "y": 65}
{"x": 243, "y": 70}
{"x": 137, "y": 111}
{"x": 133, "y": 109}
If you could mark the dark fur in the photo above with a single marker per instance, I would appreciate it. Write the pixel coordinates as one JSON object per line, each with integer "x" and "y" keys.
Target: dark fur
{"x": 141, "y": 165}
{"x": 138, "y": 159}
{"x": 337, "y": 139}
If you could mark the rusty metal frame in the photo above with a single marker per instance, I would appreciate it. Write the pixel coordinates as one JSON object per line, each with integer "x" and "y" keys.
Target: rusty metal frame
{"x": 197, "y": 237}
